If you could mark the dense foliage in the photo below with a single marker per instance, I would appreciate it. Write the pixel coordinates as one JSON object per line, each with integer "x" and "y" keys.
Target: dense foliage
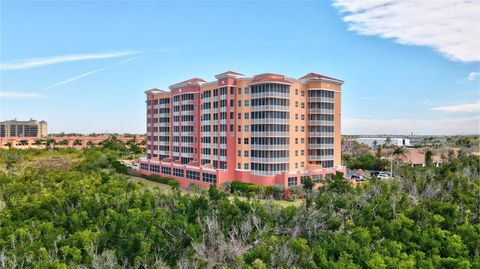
{"x": 85, "y": 215}
{"x": 365, "y": 161}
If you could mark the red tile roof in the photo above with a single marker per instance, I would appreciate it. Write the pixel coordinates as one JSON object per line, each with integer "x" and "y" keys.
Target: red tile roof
{"x": 270, "y": 77}
{"x": 192, "y": 80}
{"x": 232, "y": 73}
{"x": 318, "y": 76}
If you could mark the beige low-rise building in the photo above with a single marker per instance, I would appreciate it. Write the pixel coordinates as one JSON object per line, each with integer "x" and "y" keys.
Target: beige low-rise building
{"x": 29, "y": 128}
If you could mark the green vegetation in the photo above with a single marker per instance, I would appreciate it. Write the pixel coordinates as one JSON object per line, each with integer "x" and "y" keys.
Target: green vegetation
{"x": 69, "y": 208}
{"x": 366, "y": 161}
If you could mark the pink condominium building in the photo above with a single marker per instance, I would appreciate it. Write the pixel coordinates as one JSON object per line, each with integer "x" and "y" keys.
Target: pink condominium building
{"x": 268, "y": 129}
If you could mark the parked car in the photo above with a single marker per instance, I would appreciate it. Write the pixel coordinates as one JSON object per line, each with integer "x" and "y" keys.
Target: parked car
{"x": 384, "y": 176}
{"x": 358, "y": 177}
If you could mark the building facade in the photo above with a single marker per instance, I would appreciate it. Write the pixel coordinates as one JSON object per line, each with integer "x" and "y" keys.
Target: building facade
{"x": 30, "y": 128}
{"x": 268, "y": 129}
{"x": 383, "y": 141}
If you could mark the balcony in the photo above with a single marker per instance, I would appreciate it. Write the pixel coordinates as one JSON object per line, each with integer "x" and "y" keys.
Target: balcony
{"x": 270, "y": 95}
{"x": 320, "y": 110}
{"x": 269, "y": 160}
{"x": 271, "y": 121}
{"x": 270, "y": 107}
{"x": 320, "y": 99}
{"x": 320, "y": 158}
{"x": 320, "y": 123}
{"x": 321, "y": 134}
{"x": 270, "y": 134}
{"x": 270, "y": 147}
{"x": 320, "y": 146}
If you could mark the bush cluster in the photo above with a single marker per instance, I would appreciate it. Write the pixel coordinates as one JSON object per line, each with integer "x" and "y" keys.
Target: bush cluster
{"x": 164, "y": 180}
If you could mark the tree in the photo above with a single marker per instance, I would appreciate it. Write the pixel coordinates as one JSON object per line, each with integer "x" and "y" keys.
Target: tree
{"x": 50, "y": 142}
{"x": 77, "y": 142}
{"x": 23, "y": 142}
{"x": 388, "y": 141}
{"x": 38, "y": 142}
{"x": 9, "y": 144}
{"x": 90, "y": 143}
{"x": 374, "y": 143}
{"x": 428, "y": 158}
{"x": 307, "y": 183}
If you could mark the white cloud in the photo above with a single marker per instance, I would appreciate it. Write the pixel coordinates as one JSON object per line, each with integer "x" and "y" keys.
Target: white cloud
{"x": 18, "y": 95}
{"x": 473, "y": 75}
{"x": 472, "y": 107}
{"x": 451, "y": 27}
{"x": 89, "y": 73}
{"x": 441, "y": 126}
{"x": 37, "y": 62}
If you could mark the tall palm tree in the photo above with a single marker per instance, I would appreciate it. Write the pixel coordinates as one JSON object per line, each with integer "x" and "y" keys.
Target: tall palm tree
{"x": 398, "y": 152}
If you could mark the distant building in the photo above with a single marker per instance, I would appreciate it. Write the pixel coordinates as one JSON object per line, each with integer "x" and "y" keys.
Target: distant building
{"x": 394, "y": 141}
{"x": 30, "y": 128}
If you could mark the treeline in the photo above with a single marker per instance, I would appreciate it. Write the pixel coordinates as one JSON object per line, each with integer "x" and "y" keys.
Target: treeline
{"x": 89, "y": 216}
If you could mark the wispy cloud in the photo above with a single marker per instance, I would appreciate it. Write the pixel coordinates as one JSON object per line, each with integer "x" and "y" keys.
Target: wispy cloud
{"x": 90, "y": 73}
{"x": 18, "y": 95}
{"x": 37, "y": 62}
{"x": 472, "y": 107}
{"x": 473, "y": 75}
{"x": 450, "y": 27}
{"x": 438, "y": 126}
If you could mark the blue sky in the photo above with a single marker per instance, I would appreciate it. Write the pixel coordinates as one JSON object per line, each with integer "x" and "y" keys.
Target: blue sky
{"x": 84, "y": 66}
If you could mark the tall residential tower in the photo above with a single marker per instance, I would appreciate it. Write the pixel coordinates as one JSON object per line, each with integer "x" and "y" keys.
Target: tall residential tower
{"x": 268, "y": 129}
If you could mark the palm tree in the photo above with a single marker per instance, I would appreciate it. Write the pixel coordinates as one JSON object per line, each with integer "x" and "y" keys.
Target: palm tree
{"x": 23, "y": 142}
{"x": 50, "y": 142}
{"x": 9, "y": 144}
{"x": 63, "y": 142}
{"x": 38, "y": 142}
{"x": 398, "y": 152}
{"x": 388, "y": 141}
{"x": 77, "y": 142}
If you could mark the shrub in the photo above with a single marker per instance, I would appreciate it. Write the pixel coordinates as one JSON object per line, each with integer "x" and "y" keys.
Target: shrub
{"x": 164, "y": 180}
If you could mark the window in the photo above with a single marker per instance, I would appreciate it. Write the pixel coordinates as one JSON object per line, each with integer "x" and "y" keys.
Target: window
{"x": 296, "y": 153}
{"x": 177, "y": 172}
{"x": 303, "y": 105}
{"x": 303, "y": 152}
{"x": 154, "y": 168}
{"x": 239, "y": 153}
{"x": 303, "y": 117}
{"x": 296, "y": 140}
{"x": 296, "y": 103}
{"x": 296, "y": 128}
{"x": 303, "y": 140}
{"x": 247, "y": 116}
{"x": 246, "y": 91}
{"x": 296, "y": 116}
{"x": 296, "y": 165}
{"x": 193, "y": 175}
{"x": 239, "y": 90}
{"x": 245, "y": 141}
{"x": 246, "y": 153}
{"x": 239, "y": 128}
{"x": 239, "y": 141}
{"x": 239, "y": 116}
{"x": 296, "y": 91}
{"x": 302, "y": 164}
{"x": 246, "y": 103}
{"x": 245, "y": 166}
{"x": 166, "y": 170}
{"x": 144, "y": 166}
{"x": 303, "y": 93}
{"x": 247, "y": 128}
{"x": 211, "y": 178}
{"x": 239, "y": 166}
{"x": 239, "y": 103}
{"x": 292, "y": 181}
{"x": 303, "y": 128}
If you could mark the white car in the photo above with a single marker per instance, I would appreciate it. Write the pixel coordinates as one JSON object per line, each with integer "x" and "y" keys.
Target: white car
{"x": 384, "y": 176}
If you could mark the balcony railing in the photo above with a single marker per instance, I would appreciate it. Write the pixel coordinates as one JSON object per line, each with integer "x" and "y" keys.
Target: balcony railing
{"x": 270, "y": 95}
{"x": 269, "y": 159}
{"x": 270, "y": 107}
{"x": 270, "y": 147}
